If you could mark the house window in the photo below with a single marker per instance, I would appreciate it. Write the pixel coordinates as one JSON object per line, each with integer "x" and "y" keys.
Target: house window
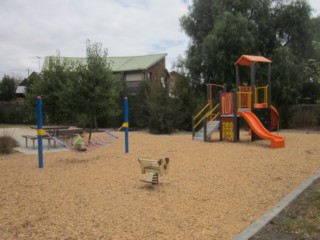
{"x": 133, "y": 80}
{"x": 133, "y": 87}
{"x": 163, "y": 83}
{"x": 134, "y": 77}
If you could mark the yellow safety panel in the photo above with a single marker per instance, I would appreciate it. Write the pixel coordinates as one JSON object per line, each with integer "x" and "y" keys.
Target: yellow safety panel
{"x": 41, "y": 132}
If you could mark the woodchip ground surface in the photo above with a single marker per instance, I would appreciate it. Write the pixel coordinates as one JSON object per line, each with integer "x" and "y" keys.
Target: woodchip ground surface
{"x": 213, "y": 190}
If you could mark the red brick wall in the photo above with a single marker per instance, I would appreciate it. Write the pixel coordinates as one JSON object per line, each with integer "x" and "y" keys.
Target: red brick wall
{"x": 158, "y": 70}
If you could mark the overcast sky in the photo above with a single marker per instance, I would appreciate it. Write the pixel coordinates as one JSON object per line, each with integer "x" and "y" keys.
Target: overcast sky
{"x": 33, "y": 29}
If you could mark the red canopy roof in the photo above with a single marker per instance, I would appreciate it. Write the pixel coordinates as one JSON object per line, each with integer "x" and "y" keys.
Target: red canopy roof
{"x": 245, "y": 60}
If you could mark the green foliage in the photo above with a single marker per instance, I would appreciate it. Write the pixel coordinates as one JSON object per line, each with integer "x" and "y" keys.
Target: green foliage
{"x": 310, "y": 92}
{"x": 220, "y": 32}
{"x": 154, "y": 108}
{"x": 52, "y": 88}
{"x": 311, "y": 88}
{"x": 286, "y": 77}
{"x": 7, "y": 88}
{"x": 287, "y": 84}
{"x": 7, "y": 142}
{"x": 161, "y": 109}
{"x": 293, "y": 27}
{"x": 226, "y": 44}
{"x": 95, "y": 90}
{"x": 312, "y": 70}
{"x": 286, "y": 115}
{"x": 138, "y": 108}
{"x": 76, "y": 93}
{"x": 16, "y": 114}
{"x": 185, "y": 102}
{"x": 315, "y": 29}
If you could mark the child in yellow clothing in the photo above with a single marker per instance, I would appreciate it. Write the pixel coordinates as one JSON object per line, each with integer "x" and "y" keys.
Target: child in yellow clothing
{"x": 79, "y": 143}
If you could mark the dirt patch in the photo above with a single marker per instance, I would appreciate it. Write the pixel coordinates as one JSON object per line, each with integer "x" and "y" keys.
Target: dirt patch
{"x": 213, "y": 190}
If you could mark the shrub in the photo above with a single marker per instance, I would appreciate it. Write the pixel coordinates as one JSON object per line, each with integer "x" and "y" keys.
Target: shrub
{"x": 286, "y": 115}
{"x": 7, "y": 143}
{"x": 161, "y": 109}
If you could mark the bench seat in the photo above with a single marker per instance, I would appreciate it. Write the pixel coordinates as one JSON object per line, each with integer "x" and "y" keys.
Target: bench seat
{"x": 35, "y": 138}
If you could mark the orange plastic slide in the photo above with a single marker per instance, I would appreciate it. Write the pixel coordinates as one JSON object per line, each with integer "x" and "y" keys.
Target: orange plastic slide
{"x": 261, "y": 131}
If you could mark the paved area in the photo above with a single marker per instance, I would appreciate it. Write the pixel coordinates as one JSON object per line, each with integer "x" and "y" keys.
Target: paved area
{"x": 17, "y": 133}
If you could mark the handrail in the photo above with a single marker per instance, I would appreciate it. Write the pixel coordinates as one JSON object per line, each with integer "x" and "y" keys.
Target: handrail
{"x": 206, "y": 115}
{"x": 197, "y": 124}
{"x": 262, "y": 87}
{"x": 209, "y": 113}
{"x": 244, "y": 98}
{"x": 194, "y": 118}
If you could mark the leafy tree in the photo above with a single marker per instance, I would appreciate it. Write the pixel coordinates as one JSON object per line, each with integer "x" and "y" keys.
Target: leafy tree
{"x": 315, "y": 29}
{"x": 287, "y": 72}
{"x": 138, "y": 108}
{"x": 153, "y": 108}
{"x": 185, "y": 102}
{"x": 78, "y": 93}
{"x": 312, "y": 70}
{"x": 161, "y": 109}
{"x": 311, "y": 87}
{"x": 7, "y": 88}
{"x": 95, "y": 90}
{"x": 286, "y": 82}
{"x": 220, "y": 32}
{"x": 294, "y": 27}
{"x": 52, "y": 87}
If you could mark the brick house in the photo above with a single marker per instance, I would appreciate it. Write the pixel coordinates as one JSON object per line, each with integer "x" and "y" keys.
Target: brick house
{"x": 133, "y": 69}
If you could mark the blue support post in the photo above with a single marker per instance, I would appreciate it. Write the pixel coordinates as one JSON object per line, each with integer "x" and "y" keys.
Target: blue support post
{"x": 126, "y": 124}
{"x": 39, "y": 131}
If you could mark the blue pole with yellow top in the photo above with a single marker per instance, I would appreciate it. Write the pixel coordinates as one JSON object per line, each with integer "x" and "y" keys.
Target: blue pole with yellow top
{"x": 39, "y": 131}
{"x": 126, "y": 124}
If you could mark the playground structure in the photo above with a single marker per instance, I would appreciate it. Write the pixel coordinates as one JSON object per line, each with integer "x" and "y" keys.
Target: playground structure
{"x": 251, "y": 102}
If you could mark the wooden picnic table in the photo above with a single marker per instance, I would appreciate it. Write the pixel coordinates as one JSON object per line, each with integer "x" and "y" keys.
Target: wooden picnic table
{"x": 51, "y": 127}
{"x": 53, "y": 130}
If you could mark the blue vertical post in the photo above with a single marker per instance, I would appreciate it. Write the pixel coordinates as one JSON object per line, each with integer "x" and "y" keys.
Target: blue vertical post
{"x": 126, "y": 124}
{"x": 39, "y": 131}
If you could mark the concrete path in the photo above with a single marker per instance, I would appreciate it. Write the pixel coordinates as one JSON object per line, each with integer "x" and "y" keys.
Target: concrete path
{"x": 17, "y": 133}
